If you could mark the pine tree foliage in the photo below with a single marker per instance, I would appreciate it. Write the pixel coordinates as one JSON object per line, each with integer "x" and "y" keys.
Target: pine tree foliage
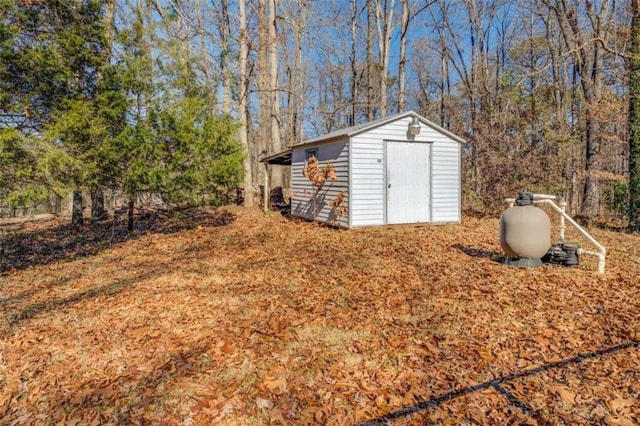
{"x": 51, "y": 59}
{"x": 82, "y": 107}
{"x": 173, "y": 145}
{"x": 18, "y": 175}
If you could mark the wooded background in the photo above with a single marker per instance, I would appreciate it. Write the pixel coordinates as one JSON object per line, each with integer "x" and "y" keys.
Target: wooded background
{"x": 538, "y": 88}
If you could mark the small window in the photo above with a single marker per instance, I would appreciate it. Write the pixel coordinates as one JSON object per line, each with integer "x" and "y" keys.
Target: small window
{"x": 313, "y": 152}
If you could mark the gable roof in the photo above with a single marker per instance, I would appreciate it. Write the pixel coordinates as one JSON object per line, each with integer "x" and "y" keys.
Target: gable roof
{"x": 361, "y": 128}
{"x": 284, "y": 157}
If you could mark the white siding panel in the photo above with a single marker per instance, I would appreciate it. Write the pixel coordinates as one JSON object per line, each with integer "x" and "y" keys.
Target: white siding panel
{"x": 445, "y": 177}
{"x": 446, "y": 181}
{"x": 366, "y": 180}
{"x": 302, "y": 205}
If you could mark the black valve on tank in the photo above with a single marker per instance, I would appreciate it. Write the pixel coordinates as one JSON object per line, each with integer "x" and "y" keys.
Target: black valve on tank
{"x": 565, "y": 254}
{"x": 524, "y": 198}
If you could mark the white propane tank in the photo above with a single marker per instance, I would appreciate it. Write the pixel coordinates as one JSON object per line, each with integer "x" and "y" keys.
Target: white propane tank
{"x": 525, "y": 232}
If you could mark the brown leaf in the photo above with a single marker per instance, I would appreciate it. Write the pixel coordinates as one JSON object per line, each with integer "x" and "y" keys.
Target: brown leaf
{"x": 541, "y": 341}
{"x": 381, "y": 402}
{"x": 263, "y": 404}
{"x": 620, "y": 404}
{"x": 619, "y": 421}
{"x": 486, "y": 356}
{"x": 565, "y": 394}
{"x": 275, "y": 384}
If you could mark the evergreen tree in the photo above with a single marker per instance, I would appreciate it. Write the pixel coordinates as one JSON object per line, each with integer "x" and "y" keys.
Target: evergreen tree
{"x": 19, "y": 185}
{"x": 51, "y": 56}
{"x": 173, "y": 144}
{"x": 85, "y": 108}
{"x": 27, "y": 65}
{"x": 204, "y": 160}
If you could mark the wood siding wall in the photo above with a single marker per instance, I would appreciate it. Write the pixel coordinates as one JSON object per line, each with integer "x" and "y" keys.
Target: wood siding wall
{"x": 336, "y": 153}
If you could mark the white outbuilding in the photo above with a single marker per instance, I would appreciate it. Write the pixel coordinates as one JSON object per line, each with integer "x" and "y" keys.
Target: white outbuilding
{"x": 399, "y": 169}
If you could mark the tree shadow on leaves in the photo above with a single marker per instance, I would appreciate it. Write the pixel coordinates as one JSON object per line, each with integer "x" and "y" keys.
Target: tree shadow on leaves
{"x": 36, "y": 308}
{"x": 480, "y": 253}
{"x": 130, "y": 397}
{"x": 436, "y": 401}
{"x": 45, "y": 246}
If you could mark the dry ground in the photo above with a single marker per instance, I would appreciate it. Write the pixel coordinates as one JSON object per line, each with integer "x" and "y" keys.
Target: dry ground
{"x": 233, "y": 317}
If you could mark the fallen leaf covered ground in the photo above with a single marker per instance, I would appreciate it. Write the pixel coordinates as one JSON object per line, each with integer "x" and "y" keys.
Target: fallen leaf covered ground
{"x": 231, "y": 316}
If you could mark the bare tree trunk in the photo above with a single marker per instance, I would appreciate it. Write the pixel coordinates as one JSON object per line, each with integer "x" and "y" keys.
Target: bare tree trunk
{"x": 634, "y": 120}
{"x": 453, "y": 52}
{"x": 354, "y": 64}
{"x": 224, "y": 57}
{"x": 109, "y": 31}
{"x": 276, "y": 177}
{"x": 264, "y": 118}
{"x": 300, "y": 77}
{"x": 473, "y": 70}
{"x": 444, "y": 76}
{"x": 456, "y": 56}
{"x": 587, "y": 53}
{"x": 369, "y": 60}
{"x": 132, "y": 204}
{"x": 294, "y": 15}
{"x": 402, "y": 64}
{"x": 204, "y": 57}
{"x": 384, "y": 19}
{"x": 98, "y": 213}
{"x": 591, "y": 194}
{"x": 249, "y": 192}
{"x": 556, "y": 67}
{"x": 76, "y": 210}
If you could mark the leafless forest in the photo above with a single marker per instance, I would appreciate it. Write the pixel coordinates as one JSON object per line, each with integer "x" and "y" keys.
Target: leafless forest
{"x": 537, "y": 88}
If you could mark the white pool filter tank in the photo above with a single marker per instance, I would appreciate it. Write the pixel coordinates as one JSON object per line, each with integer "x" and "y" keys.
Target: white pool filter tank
{"x": 525, "y": 232}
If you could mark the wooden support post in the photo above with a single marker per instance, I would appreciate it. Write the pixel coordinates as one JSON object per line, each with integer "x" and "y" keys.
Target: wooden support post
{"x": 266, "y": 188}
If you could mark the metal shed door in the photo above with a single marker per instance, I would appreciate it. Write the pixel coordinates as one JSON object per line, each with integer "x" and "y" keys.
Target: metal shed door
{"x": 408, "y": 182}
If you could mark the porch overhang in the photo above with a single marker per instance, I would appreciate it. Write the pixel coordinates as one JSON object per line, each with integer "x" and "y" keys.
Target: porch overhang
{"x": 280, "y": 159}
